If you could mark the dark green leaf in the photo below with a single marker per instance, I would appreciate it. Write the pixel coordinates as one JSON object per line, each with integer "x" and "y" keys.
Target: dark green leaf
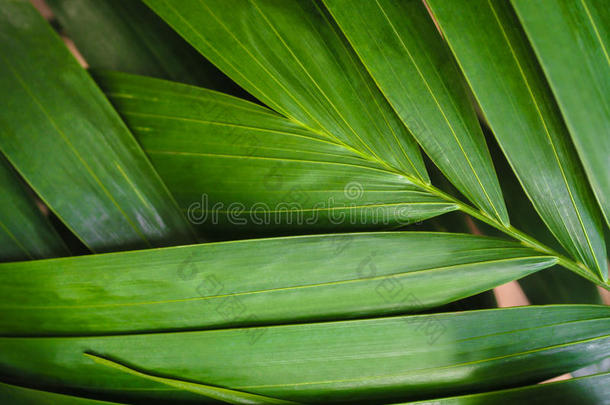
{"x": 127, "y": 36}
{"x": 571, "y": 40}
{"x": 501, "y": 68}
{"x": 410, "y": 357}
{"x": 64, "y": 138}
{"x": 24, "y": 232}
{"x": 233, "y": 165}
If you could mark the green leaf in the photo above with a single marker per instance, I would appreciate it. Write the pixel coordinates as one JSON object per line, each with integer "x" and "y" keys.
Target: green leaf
{"x": 559, "y": 286}
{"x": 127, "y": 36}
{"x": 62, "y": 135}
{"x": 592, "y": 390}
{"x": 511, "y": 89}
{"x": 410, "y": 357}
{"x": 247, "y": 283}
{"x": 417, "y": 74}
{"x": 571, "y": 41}
{"x": 237, "y": 167}
{"x": 15, "y": 395}
{"x": 289, "y": 55}
{"x": 208, "y": 391}
{"x": 24, "y": 232}
{"x": 550, "y": 286}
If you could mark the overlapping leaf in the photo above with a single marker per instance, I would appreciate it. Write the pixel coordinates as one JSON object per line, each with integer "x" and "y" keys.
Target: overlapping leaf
{"x": 16, "y": 395}
{"x": 416, "y": 72}
{"x": 290, "y": 55}
{"x": 571, "y": 41}
{"x": 235, "y": 165}
{"x": 502, "y": 70}
{"x": 555, "y": 285}
{"x": 591, "y": 390}
{"x": 128, "y": 37}
{"x": 410, "y": 357}
{"x": 24, "y": 232}
{"x": 251, "y": 282}
{"x": 64, "y": 138}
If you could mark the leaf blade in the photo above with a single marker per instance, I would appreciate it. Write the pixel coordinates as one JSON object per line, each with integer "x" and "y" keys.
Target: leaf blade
{"x": 379, "y": 359}
{"x": 218, "y": 151}
{"x": 569, "y": 44}
{"x": 204, "y": 282}
{"x": 291, "y": 57}
{"x": 410, "y": 64}
{"x": 566, "y": 205}
{"x": 97, "y": 179}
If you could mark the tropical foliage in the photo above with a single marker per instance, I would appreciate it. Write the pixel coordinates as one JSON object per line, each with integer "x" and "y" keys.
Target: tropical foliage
{"x": 303, "y": 201}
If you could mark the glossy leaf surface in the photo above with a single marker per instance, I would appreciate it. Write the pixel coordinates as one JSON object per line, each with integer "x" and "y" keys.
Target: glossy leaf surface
{"x": 64, "y": 138}
{"x": 502, "y": 70}
{"x": 416, "y": 72}
{"x": 253, "y": 282}
{"x": 384, "y": 358}
{"x": 291, "y": 56}
{"x": 571, "y": 40}
{"x": 233, "y": 165}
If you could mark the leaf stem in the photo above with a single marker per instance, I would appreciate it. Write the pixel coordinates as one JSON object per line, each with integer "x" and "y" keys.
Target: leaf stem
{"x": 525, "y": 239}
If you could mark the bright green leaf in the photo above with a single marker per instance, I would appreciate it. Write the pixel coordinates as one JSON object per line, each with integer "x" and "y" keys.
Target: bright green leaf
{"x": 416, "y": 72}
{"x": 291, "y": 56}
{"x": 251, "y": 282}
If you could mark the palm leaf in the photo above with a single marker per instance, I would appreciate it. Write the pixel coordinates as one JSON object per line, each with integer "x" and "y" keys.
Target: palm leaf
{"x": 409, "y": 62}
{"x": 246, "y": 283}
{"x": 352, "y": 88}
{"x": 259, "y": 169}
{"x": 290, "y": 55}
{"x": 518, "y": 104}
{"x": 24, "y": 232}
{"x": 412, "y": 357}
{"x": 64, "y": 138}
{"x": 127, "y": 36}
{"x": 570, "y": 39}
